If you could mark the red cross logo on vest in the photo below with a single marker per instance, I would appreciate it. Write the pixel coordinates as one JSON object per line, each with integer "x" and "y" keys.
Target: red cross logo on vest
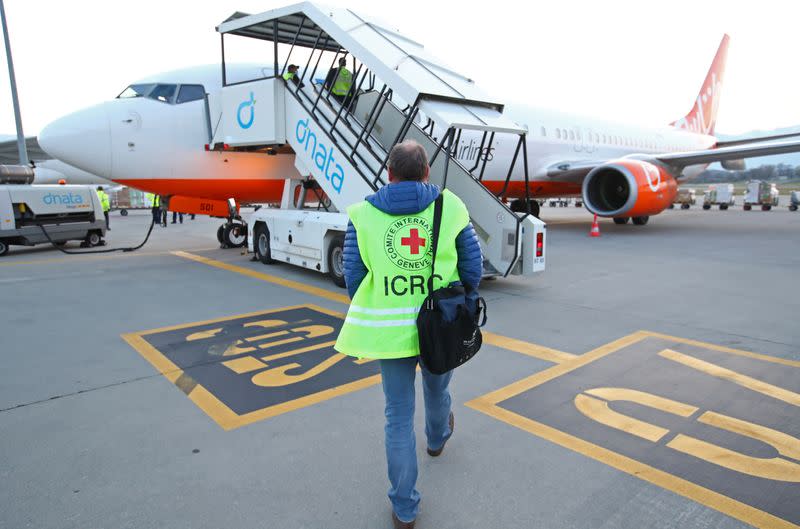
{"x": 414, "y": 242}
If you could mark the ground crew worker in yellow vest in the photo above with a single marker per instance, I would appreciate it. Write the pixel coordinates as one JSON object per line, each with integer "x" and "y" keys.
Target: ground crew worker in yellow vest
{"x": 106, "y": 203}
{"x": 155, "y": 206}
{"x": 339, "y": 81}
{"x": 291, "y": 75}
{"x": 387, "y": 262}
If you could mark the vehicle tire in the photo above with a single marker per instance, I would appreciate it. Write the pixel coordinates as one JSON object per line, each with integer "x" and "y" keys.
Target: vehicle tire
{"x": 766, "y": 207}
{"x": 747, "y": 207}
{"x": 671, "y": 206}
{"x": 578, "y": 204}
{"x": 3, "y": 247}
{"x": 123, "y": 212}
{"x": 640, "y": 221}
{"x": 620, "y": 220}
{"x": 336, "y": 261}
{"x": 793, "y": 208}
{"x": 221, "y": 234}
{"x": 685, "y": 206}
{"x": 261, "y": 245}
{"x": 723, "y": 207}
{"x": 235, "y": 235}
{"x": 93, "y": 238}
{"x": 708, "y": 206}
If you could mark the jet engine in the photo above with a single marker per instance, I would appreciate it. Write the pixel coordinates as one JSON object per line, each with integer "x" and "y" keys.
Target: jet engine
{"x": 628, "y": 188}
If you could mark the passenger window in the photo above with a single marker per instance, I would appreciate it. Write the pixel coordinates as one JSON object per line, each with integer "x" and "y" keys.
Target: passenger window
{"x": 558, "y": 134}
{"x": 572, "y": 135}
{"x": 190, "y": 92}
{"x": 544, "y": 132}
{"x": 136, "y": 90}
{"x": 163, "y": 93}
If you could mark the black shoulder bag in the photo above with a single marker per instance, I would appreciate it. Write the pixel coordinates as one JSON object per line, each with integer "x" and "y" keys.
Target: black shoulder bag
{"x": 449, "y": 331}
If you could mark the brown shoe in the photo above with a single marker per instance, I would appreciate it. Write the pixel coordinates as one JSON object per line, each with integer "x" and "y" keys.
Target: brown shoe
{"x": 401, "y": 525}
{"x": 437, "y": 453}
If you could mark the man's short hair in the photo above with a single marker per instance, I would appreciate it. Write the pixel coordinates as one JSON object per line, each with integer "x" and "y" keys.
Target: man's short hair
{"x": 342, "y": 61}
{"x": 408, "y": 161}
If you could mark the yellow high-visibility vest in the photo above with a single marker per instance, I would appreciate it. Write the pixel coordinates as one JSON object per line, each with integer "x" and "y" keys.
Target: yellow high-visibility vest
{"x": 343, "y": 82}
{"x": 396, "y": 249}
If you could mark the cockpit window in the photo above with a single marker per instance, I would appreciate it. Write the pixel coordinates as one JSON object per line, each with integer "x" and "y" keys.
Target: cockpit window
{"x": 190, "y": 92}
{"x": 136, "y": 90}
{"x": 163, "y": 93}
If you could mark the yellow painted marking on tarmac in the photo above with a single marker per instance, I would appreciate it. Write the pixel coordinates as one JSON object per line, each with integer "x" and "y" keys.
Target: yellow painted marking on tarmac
{"x": 77, "y": 257}
{"x": 773, "y": 468}
{"x": 229, "y": 420}
{"x": 599, "y": 410}
{"x": 488, "y": 404}
{"x": 687, "y": 489}
{"x": 203, "y": 335}
{"x": 296, "y": 285}
{"x": 722, "y": 348}
{"x": 297, "y": 351}
{"x": 745, "y": 381}
{"x": 162, "y": 364}
{"x": 244, "y": 364}
{"x": 537, "y": 351}
{"x": 278, "y": 377}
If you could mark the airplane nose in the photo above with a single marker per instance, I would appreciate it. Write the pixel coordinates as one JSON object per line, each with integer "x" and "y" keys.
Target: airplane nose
{"x": 81, "y": 139}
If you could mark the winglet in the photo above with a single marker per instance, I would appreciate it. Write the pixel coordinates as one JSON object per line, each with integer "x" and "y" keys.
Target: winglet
{"x": 703, "y": 116}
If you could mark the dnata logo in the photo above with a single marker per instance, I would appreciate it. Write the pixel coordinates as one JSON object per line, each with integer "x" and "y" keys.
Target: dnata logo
{"x": 62, "y": 199}
{"x": 246, "y": 104}
{"x": 321, "y": 155}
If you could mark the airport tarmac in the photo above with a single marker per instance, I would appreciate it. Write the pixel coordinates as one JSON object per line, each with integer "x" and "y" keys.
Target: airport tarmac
{"x": 648, "y": 379}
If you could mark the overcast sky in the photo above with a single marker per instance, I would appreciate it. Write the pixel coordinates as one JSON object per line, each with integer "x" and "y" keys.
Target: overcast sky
{"x": 633, "y": 61}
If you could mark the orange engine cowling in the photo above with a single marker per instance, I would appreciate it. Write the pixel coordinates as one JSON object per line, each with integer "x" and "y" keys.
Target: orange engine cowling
{"x": 628, "y": 188}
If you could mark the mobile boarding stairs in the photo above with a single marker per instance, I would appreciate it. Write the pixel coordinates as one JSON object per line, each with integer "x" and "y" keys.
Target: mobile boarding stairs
{"x": 341, "y": 147}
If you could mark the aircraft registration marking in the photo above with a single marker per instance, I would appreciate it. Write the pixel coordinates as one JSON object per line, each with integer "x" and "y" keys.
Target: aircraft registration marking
{"x": 251, "y": 367}
{"x": 717, "y": 425}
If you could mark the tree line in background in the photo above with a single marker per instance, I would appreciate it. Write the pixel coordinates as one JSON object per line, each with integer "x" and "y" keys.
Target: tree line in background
{"x": 780, "y": 172}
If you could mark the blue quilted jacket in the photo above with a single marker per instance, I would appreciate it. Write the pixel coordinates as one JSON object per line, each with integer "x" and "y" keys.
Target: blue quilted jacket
{"x": 405, "y": 198}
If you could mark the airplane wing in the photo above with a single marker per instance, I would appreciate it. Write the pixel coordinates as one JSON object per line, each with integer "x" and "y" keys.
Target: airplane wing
{"x": 760, "y": 139}
{"x": 684, "y": 159}
{"x": 10, "y": 156}
{"x": 575, "y": 171}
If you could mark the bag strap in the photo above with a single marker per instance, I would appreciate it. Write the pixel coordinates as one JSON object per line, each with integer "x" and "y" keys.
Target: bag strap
{"x": 437, "y": 224}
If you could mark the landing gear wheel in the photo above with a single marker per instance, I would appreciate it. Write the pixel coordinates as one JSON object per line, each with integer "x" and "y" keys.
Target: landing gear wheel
{"x": 261, "y": 245}
{"x": 793, "y": 208}
{"x": 620, "y": 220}
{"x": 60, "y": 243}
{"x": 640, "y": 221}
{"x": 685, "y": 206}
{"x": 748, "y": 207}
{"x": 578, "y": 204}
{"x": 336, "y": 261}
{"x": 235, "y": 235}
{"x": 3, "y": 247}
{"x": 723, "y": 207}
{"x": 708, "y": 206}
{"x": 93, "y": 239}
{"x": 766, "y": 207}
{"x": 123, "y": 212}
{"x": 220, "y": 234}
{"x": 671, "y": 206}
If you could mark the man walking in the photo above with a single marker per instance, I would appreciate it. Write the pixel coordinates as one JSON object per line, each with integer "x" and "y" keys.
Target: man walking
{"x": 339, "y": 81}
{"x": 387, "y": 262}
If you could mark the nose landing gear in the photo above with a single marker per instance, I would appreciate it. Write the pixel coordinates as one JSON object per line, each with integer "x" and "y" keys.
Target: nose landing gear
{"x": 232, "y": 234}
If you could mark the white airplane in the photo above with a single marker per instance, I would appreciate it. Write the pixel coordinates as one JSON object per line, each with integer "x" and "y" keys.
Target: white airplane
{"x": 151, "y": 137}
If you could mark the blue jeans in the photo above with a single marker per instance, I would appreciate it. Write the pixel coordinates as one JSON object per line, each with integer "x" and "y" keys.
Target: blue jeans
{"x": 401, "y": 445}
